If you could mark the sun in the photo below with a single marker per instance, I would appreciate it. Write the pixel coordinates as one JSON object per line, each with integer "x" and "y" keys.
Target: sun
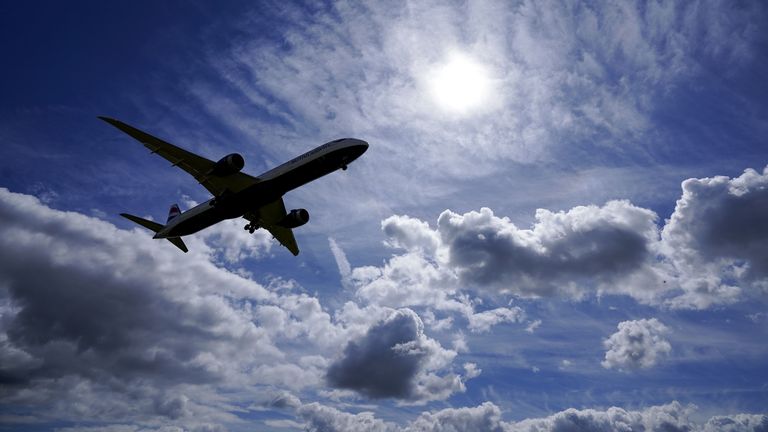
{"x": 460, "y": 85}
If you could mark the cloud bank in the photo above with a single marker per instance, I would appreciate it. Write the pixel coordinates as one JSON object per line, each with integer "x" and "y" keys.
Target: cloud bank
{"x": 120, "y": 318}
{"x": 712, "y": 251}
{"x": 672, "y": 417}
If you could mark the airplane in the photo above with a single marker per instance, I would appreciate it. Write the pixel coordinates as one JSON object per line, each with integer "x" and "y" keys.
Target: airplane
{"x": 236, "y": 194}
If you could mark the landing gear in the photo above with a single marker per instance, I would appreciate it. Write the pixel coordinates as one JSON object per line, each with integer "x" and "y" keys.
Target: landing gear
{"x": 344, "y": 167}
{"x": 251, "y": 227}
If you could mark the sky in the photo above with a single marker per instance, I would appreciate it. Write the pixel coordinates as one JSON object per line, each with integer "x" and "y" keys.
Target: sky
{"x": 561, "y": 222}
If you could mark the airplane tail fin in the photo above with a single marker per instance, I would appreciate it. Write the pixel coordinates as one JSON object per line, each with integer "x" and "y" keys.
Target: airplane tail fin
{"x": 155, "y": 227}
{"x": 173, "y": 213}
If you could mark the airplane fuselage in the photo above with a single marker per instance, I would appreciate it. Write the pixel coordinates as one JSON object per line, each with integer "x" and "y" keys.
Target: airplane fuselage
{"x": 272, "y": 185}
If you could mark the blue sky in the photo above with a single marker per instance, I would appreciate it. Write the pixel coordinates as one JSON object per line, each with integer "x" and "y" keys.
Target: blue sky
{"x": 561, "y": 219}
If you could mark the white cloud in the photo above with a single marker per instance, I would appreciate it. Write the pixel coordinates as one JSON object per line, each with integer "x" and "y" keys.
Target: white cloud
{"x": 567, "y": 253}
{"x": 483, "y": 321}
{"x": 409, "y": 280}
{"x": 585, "y": 250}
{"x": 712, "y": 251}
{"x": 193, "y": 327}
{"x": 533, "y": 326}
{"x": 411, "y": 234}
{"x": 320, "y": 418}
{"x": 737, "y": 423}
{"x": 672, "y": 417}
{"x": 230, "y": 242}
{"x": 717, "y": 238}
{"x": 638, "y": 344}
{"x": 116, "y": 316}
{"x": 485, "y": 417}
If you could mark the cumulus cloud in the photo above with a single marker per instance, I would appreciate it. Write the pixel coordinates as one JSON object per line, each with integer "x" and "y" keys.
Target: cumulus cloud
{"x": 637, "y": 344}
{"x": 717, "y": 238}
{"x": 672, "y": 417}
{"x": 711, "y": 251}
{"x": 409, "y": 233}
{"x": 394, "y": 359}
{"x": 485, "y": 417}
{"x": 737, "y": 423}
{"x": 120, "y": 318}
{"x": 231, "y": 244}
{"x": 101, "y": 308}
{"x": 409, "y": 280}
{"x": 587, "y": 249}
{"x": 320, "y": 418}
{"x": 561, "y": 251}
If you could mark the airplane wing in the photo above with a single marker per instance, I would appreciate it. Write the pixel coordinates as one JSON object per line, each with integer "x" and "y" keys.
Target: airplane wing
{"x": 268, "y": 217}
{"x": 198, "y": 166}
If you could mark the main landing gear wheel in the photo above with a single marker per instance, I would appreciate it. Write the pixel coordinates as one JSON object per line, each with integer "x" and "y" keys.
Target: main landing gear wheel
{"x": 251, "y": 227}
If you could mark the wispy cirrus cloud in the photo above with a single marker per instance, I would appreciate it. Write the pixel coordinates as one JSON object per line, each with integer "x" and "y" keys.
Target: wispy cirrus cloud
{"x": 575, "y": 88}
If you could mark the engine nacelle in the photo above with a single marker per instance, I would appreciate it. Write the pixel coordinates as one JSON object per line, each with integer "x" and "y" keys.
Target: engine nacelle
{"x": 229, "y": 164}
{"x": 295, "y": 218}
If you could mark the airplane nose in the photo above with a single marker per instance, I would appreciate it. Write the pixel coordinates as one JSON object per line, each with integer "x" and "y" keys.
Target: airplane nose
{"x": 363, "y": 146}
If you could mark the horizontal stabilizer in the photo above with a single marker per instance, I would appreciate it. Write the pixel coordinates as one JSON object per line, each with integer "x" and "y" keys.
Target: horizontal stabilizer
{"x": 155, "y": 227}
{"x": 178, "y": 243}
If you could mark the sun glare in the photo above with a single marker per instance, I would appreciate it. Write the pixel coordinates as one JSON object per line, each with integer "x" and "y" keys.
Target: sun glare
{"x": 460, "y": 85}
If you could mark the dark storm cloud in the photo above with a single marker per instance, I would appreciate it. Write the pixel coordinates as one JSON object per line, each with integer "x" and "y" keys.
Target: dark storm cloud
{"x": 391, "y": 359}
{"x": 381, "y": 364}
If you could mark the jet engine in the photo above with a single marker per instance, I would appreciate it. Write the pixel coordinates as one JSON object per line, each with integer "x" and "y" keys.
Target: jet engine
{"x": 229, "y": 164}
{"x": 295, "y": 218}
